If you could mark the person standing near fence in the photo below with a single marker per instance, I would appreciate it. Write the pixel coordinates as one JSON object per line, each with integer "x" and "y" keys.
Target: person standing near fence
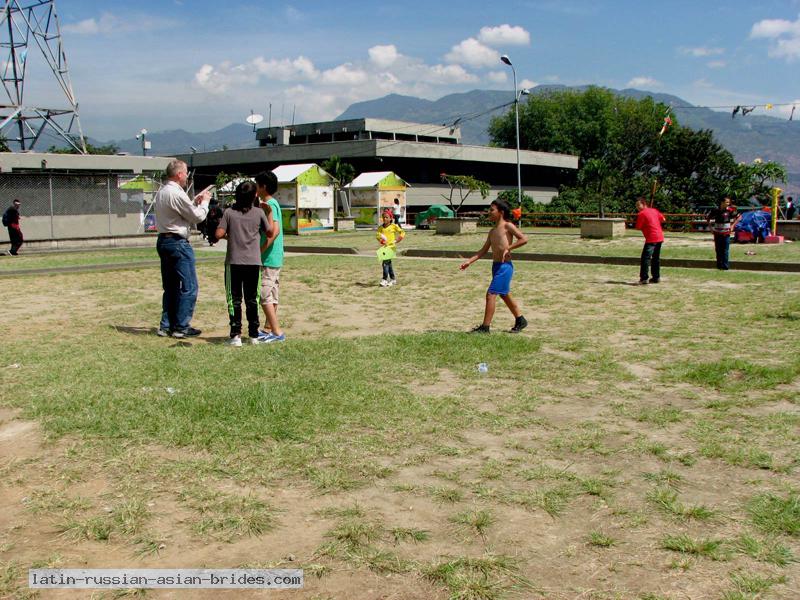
{"x": 176, "y": 213}
{"x": 724, "y": 220}
{"x": 11, "y": 220}
{"x": 648, "y": 221}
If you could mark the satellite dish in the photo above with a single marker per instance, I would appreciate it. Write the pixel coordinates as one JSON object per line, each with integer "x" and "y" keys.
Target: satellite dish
{"x": 254, "y": 119}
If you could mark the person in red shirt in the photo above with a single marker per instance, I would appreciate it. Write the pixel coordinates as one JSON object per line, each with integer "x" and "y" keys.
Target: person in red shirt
{"x": 648, "y": 221}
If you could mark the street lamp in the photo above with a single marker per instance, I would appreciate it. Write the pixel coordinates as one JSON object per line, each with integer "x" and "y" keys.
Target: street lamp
{"x": 145, "y": 143}
{"x": 507, "y": 61}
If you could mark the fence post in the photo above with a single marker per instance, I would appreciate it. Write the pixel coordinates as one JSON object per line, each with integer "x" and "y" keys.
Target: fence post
{"x": 108, "y": 190}
{"x": 52, "y": 216}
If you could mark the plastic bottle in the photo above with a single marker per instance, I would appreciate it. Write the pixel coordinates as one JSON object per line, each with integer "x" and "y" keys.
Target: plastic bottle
{"x": 483, "y": 368}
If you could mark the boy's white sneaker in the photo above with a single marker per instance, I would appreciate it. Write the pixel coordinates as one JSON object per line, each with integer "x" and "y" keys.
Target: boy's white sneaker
{"x": 384, "y": 283}
{"x": 235, "y": 341}
{"x": 392, "y": 282}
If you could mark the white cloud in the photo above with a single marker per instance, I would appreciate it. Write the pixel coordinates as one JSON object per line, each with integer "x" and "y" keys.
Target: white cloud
{"x": 285, "y": 69}
{"x": 344, "y": 74}
{"x": 497, "y": 76}
{"x": 450, "y": 74}
{"x": 527, "y": 84}
{"x": 224, "y": 77}
{"x": 716, "y": 64}
{"x": 471, "y": 52}
{"x": 504, "y": 35}
{"x": 788, "y": 49}
{"x": 293, "y": 15}
{"x": 643, "y": 82}
{"x": 772, "y": 28}
{"x": 383, "y": 56}
{"x": 104, "y": 24}
{"x": 701, "y": 51}
{"x": 108, "y": 24}
{"x": 785, "y": 36}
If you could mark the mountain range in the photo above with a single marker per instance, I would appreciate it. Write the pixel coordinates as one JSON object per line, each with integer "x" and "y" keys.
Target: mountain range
{"x": 747, "y": 138}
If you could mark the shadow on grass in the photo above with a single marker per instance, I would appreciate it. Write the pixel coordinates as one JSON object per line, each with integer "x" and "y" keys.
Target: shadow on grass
{"x": 630, "y": 283}
{"x": 135, "y": 330}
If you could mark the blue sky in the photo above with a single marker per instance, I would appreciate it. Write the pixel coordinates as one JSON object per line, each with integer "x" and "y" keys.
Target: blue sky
{"x": 200, "y": 64}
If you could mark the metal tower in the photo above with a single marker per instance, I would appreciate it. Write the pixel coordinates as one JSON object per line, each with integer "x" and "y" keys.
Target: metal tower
{"x": 24, "y": 26}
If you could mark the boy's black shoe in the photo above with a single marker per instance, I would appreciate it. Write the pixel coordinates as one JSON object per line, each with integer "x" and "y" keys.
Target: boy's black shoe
{"x": 480, "y": 329}
{"x": 519, "y": 324}
{"x": 654, "y": 280}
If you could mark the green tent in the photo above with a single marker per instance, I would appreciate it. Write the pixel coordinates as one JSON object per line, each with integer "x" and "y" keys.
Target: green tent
{"x": 141, "y": 183}
{"x": 436, "y": 211}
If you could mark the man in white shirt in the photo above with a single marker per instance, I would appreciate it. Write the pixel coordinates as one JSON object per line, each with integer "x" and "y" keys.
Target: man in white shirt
{"x": 175, "y": 214}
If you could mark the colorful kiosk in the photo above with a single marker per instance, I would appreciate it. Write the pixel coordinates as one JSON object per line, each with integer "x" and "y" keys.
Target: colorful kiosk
{"x": 374, "y": 192}
{"x": 305, "y": 194}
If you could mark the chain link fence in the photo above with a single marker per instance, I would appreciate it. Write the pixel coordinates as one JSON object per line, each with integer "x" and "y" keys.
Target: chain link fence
{"x": 64, "y": 206}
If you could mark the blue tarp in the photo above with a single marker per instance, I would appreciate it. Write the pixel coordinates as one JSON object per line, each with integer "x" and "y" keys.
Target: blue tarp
{"x": 756, "y": 222}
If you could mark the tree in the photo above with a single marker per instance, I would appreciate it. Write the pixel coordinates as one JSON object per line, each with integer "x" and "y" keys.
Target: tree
{"x": 342, "y": 173}
{"x": 465, "y": 185}
{"x": 622, "y": 155}
{"x": 90, "y": 149}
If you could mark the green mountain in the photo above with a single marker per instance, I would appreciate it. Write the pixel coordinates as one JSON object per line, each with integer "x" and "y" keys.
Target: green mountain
{"x": 747, "y": 138}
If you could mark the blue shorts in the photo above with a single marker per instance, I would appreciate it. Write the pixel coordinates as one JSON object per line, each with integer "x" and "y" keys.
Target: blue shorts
{"x": 501, "y": 278}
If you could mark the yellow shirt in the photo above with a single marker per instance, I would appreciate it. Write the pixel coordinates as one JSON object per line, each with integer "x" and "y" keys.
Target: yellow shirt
{"x": 392, "y": 232}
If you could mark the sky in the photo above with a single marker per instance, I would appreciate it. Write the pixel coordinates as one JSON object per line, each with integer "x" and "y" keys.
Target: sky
{"x": 200, "y": 65}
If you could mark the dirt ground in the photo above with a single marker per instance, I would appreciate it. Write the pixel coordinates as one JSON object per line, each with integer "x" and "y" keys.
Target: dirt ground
{"x": 43, "y": 479}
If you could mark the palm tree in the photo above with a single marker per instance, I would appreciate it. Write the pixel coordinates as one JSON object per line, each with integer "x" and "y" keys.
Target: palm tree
{"x": 342, "y": 173}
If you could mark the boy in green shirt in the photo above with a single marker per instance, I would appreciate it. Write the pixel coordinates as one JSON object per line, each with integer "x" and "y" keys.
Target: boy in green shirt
{"x": 271, "y": 255}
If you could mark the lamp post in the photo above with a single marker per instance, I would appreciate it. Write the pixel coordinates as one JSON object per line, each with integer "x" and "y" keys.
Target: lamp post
{"x": 145, "y": 144}
{"x": 507, "y": 61}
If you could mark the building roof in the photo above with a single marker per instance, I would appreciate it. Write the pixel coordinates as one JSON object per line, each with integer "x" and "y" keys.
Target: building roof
{"x": 366, "y": 128}
{"x": 287, "y": 173}
{"x": 46, "y": 161}
{"x": 371, "y": 179}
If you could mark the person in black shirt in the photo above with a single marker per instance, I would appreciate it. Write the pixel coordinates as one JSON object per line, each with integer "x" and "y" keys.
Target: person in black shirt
{"x": 11, "y": 220}
{"x": 725, "y": 219}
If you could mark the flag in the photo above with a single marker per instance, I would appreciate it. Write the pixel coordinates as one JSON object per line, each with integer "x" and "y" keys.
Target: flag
{"x": 667, "y": 123}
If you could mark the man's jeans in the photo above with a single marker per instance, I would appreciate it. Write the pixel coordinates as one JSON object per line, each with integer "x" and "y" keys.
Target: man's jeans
{"x": 651, "y": 256}
{"x": 722, "y": 244}
{"x": 179, "y": 280}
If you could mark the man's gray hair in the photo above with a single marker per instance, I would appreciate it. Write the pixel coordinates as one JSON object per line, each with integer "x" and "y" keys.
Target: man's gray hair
{"x": 174, "y": 167}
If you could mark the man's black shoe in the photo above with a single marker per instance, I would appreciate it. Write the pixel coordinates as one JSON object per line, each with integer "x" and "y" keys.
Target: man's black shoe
{"x": 480, "y": 329}
{"x": 190, "y": 332}
{"x": 654, "y": 280}
{"x": 519, "y": 324}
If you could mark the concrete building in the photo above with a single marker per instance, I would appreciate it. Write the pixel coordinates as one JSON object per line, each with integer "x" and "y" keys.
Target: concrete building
{"x": 76, "y": 196}
{"x": 419, "y": 153}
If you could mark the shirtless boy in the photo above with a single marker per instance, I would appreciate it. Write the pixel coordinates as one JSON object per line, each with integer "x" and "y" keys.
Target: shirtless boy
{"x": 501, "y": 240}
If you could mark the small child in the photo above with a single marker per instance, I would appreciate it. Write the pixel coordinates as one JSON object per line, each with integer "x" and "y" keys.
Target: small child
{"x": 501, "y": 241}
{"x": 242, "y": 224}
{"x": 389, "y": 235}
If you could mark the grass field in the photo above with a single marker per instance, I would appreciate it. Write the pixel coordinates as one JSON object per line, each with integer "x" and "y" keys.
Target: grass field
{"x": 541, "y": 240}
{"x": 633, "y": 442}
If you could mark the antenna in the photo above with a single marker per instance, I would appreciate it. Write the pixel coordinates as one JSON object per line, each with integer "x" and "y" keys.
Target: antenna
{"x": 20, "y": 22}
{"x": 294, "y": 107}
{"x": 254, "y": 119}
